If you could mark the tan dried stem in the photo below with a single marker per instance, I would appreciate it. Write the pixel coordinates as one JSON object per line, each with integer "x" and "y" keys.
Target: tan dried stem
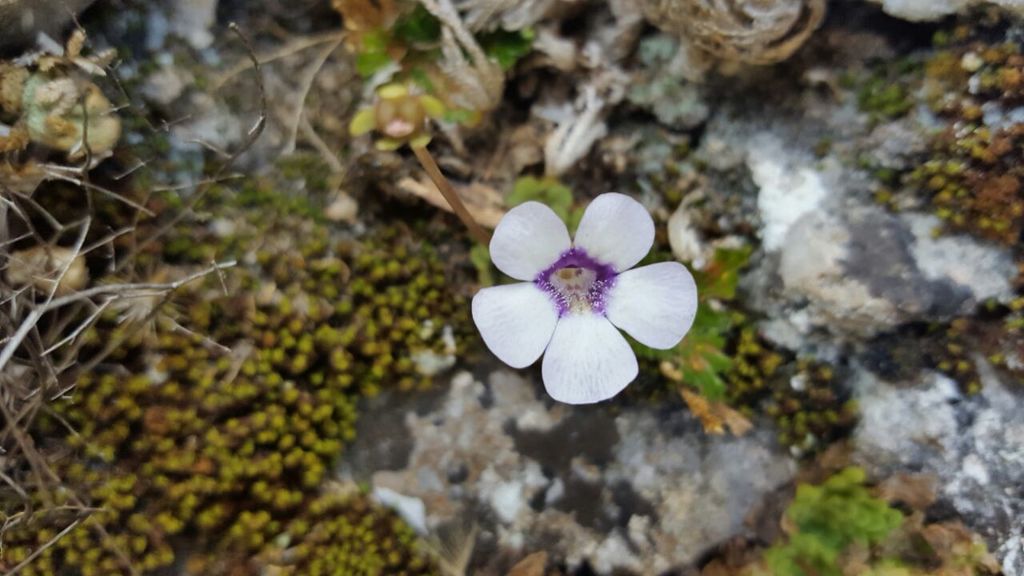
{"x": 450, "y": 195}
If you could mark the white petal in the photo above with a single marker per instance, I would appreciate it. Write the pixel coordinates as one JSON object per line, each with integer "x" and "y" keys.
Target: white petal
{"x": 529, "y": 238}
{"x": 516, "y": 322}
{"x": 587, "y": 361}
{"x": 616, "y": 230}
{"x": 655, "y": 304}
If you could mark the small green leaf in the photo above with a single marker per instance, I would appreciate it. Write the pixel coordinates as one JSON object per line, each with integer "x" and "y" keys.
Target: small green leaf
{"x": 418, "y": 27}
{"x": 573, "y": 221}
{"x": 458, "y": 115}
{"x": 718, "y": 279}
{"x": 375, "y": 41}
{"x": 369, "y": 63}
{"x": 507, "y": 48}
{"x": 421, "y": 79}
{"x": 373, "y": 54}
{"x": 699, "y": 357}
{"x": 548, "y": 191}
{"x": 480, "y": 257}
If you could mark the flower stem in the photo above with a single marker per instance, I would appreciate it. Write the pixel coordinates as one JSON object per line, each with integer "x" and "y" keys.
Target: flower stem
{"x": 442, "y": 183}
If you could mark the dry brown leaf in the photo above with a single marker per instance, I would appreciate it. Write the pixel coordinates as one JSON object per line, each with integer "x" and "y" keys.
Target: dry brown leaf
{"x": 671, "y": 371}
{"x": 366, "y": 15}
{"x": 716, "y": 417}
{"x": 532, "y": 565}
{"x": 13, "y": 138}
{"x": 914, "y": 490}
{"x": 12, "y": 86}
{"x": 717, "y": 568}
{"x": 954, "y": 543}
{"x": 737, "y": 557}
{"x": 484, "y": 203}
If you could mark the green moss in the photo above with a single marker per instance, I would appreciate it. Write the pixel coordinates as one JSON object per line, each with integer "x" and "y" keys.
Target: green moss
{"x": 828, "y": 519}
{"x": 951, "y": 354}
{"x": 884, "y": 100}
{"x": 548, "y": 191}
{"x": 308, "y": 168}
{"x": 756, "y": 364}
{"x": 812, "y": 414}
{"x": 972, "y": 176}
{"x": 839, "y": 527}
{"x": 342, "y": 534}
{"x": 99, "y": 543}
{"x": 258, "y": 194}
{"x": 885, "y": 90}
{"x": 974, "y": 181}
{"x": 804, "y": 398}
{"x": 223, "y": 424}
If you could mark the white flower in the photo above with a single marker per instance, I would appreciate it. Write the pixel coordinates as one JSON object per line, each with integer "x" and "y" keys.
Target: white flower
{"x": 576, "y": 294}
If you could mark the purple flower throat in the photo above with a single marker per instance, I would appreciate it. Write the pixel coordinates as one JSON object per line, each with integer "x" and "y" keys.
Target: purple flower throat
{"x": 577, "y": 283}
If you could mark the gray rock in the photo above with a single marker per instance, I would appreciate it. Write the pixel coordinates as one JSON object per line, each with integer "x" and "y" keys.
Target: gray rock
{"x": 860, "y": 271}
{"x": 984, "y": 271}
{"x": 895, "y": 145}
{"x": 918, "y": 10}
{"x": 812, "y": 269}
{"x": 631, "y": 490}
{"x": 22, "y": 20}
{"x": 834, "y": 266}
{"x": 166, "y": 83}
{"x": 193, "y": 20}
{"x": 974, "y": 446}
{"x": 790, "y": 186}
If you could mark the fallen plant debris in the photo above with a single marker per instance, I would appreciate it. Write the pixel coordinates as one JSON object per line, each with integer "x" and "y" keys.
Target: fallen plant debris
{"x": 243, "y": 246}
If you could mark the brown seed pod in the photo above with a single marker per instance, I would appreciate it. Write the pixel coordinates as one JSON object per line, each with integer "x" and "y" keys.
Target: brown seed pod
{"x": 747, "y": 31}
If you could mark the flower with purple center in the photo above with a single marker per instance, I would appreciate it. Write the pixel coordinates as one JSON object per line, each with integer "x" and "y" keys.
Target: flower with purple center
{"x": 576, "y": 295}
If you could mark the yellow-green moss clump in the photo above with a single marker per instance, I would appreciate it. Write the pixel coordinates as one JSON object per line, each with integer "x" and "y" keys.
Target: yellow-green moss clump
{"x": 973, "y": 174}
{"x": 883, "y": 93}
{"x": 974, "y": 179}
{"x": 828, "y": 519}
{"x": 952, "y": 354}
{"x": 221, "y": 424}
{"x": 957, "y": 346}
{"x": 803, "y": 397}
{"x": 970, "y": 176}
{"x": 344, "y": 535}
{"x": 844, "y": 525}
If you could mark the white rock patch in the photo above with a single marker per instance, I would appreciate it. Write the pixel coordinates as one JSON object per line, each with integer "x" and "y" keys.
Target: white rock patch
{"x": 923, "y": 10}
{"x": 789, "y": 188}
